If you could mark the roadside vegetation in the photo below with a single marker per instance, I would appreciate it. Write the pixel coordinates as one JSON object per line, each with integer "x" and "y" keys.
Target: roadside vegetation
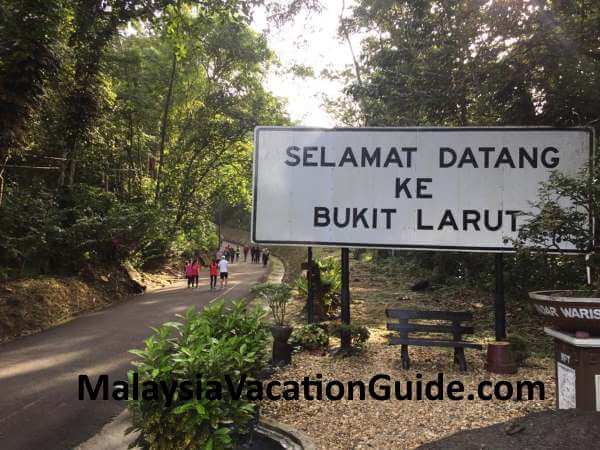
{"x": 125, "y": 129}
{"x": 118, "y": 144}
{"x": 126, "y": 145}
{"x": 201, "y": 350}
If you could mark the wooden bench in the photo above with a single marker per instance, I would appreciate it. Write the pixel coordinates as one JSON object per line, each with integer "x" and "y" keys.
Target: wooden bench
{"x": 455, "y": 328}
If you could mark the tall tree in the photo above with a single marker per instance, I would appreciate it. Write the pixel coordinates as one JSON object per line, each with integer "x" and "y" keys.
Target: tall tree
{"x": 30, "y": 31}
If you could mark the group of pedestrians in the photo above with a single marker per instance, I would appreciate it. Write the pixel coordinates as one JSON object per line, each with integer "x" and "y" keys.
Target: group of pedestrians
{"x": 192, "y": 272}
{"x": 231, "y": 255}
{"x": 219, "y": 266}
{"x": 258, "y": 255}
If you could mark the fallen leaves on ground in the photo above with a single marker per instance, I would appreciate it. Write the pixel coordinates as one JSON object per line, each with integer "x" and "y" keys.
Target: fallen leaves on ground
{"x": 371, "y": 423}
{"x": 361, "y": 424}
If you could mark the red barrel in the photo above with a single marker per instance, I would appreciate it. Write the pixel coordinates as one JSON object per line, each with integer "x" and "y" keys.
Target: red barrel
{"x": 500, "y": 358}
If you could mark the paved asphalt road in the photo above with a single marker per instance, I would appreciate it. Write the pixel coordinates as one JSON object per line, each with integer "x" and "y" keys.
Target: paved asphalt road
{"x": 39, "y": 408}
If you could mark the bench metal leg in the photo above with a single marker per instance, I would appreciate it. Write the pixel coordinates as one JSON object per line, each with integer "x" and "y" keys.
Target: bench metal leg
{"x": 405, "y": 357}
{"x": 462, "y": 362}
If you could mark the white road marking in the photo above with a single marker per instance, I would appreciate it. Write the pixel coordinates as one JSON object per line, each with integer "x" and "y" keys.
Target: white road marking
{"x": 221, "y": 295}
{"x": 23, "y": 408}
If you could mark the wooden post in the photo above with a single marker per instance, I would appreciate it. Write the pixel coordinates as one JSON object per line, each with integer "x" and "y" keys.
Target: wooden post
{"x": 310, "y": 300}
{"x": 345, "y": 298}
{"x": 499, "y": 306}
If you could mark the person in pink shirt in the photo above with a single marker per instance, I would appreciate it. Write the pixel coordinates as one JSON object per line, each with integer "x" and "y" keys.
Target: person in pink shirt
{"x": 189, "y": 273}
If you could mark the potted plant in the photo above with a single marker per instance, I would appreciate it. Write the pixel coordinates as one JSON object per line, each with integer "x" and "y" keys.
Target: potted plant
{"x": 277, "y": 297}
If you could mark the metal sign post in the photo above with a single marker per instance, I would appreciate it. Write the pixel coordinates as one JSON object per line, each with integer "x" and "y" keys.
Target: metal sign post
{"x": 345, "y": 298}
{"x": 499, "y": 305}
{"x": 310, "y": 300}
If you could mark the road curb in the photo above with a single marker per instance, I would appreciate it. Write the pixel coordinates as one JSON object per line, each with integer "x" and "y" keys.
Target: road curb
{"x": 112, "y": 435}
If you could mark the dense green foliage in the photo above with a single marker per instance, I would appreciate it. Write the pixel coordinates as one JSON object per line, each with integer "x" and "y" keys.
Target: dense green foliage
{"x": 216, "y": 342}
{"x": 562, "y": 210}
{"x": 129, "y": 130}
{"x": 520, "y": 348}
{"x": 473, "y": 63}
{"x": 313, "y": 336}
{"x": 330, "y": 271}
{"x": 359, "y": 334}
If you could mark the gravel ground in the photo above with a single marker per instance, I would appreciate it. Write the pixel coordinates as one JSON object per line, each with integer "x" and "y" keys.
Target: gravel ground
{"x": 361, "y": 424}
{"x": 570, "y": 429}
{"x": 371, "y": 423}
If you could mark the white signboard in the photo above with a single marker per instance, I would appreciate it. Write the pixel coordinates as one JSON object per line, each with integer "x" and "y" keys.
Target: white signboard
{"x": 597, "y": 393}
{"x": 567, "y": 393}
{"x": 411, "y": 188}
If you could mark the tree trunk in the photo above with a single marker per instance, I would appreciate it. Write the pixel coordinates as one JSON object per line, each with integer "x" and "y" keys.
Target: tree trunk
{"x": 163, "y": 130}
{"x": 357, "y": 70}
{"x": 2, "y": 167}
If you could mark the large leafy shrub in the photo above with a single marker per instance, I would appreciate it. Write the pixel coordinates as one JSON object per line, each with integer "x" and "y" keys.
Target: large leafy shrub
{"x": 206, "y": 346}
{"x": 561, "y": 213}
{"x": 313, "y": 336}
{"x": 359, "y": 334}
{"x": 331, "y": 281}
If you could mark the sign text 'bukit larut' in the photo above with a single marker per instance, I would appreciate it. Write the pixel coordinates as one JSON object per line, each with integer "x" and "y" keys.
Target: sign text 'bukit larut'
{"x": 426, "y": 188}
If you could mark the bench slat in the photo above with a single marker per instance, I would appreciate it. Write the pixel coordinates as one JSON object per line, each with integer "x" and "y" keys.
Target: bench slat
{"x": 433, "y": 343}
{"x": 421, "y": 328}
{"x": 433, "y": 315}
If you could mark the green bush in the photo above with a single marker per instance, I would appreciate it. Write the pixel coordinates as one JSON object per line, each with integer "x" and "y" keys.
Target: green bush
{"x": 45, "y": 231}
{"x": 206, "y": 346}
{"x": 359, "y": 334}
{"x": 519, "y": 346}
{"x": 313, "y": 336}
{"x": 331, "y": 281}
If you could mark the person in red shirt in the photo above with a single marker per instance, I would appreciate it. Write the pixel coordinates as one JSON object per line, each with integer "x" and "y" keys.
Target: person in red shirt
{"x": 214, "y": 272}
{"x": 189, "y": 273}
{"x": 195, "y": 272}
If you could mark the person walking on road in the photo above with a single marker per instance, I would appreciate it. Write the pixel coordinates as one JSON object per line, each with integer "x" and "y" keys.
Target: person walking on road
{"x": 214, "y": 272}
{"x": 246, "y": 253}
{"x": 223, "y": 271}
{"x": 265, "y": 257}
{"x": 189, "y": 273}
{"x": 237, "y": 253}
{"x": 195, "y": 273}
